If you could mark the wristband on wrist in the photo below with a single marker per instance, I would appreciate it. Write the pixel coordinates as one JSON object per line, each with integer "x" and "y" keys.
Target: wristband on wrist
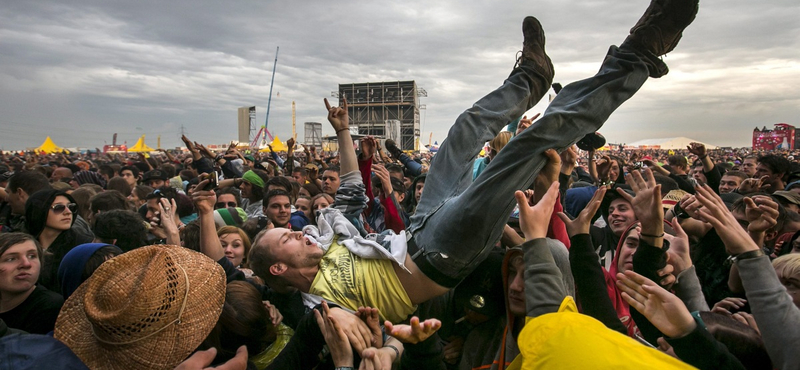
{"x": 344, "y": 368}
{"x": 342, "y": 129}
{"x": 652, "y": 236}
{"x": 396, "y": 351}
{"x": 746, "y": 255}
{"x": 679, "y": 212}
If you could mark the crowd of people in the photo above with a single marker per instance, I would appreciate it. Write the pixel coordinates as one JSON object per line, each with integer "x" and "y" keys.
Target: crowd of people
{"x": 542, "y": 254}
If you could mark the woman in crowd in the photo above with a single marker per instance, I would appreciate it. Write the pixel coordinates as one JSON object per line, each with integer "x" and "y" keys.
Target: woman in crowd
{"x": 24, "y": 305}
{"x": 236, "y": 245}
{"x": 49, "y": 217}
{"x": 138, "y": 195}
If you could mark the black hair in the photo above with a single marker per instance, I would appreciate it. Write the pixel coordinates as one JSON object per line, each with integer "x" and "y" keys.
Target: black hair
{"x": 237, "y": 194}
{"x": 107, "y": 201}
{"x": 168, "y": 170}
{"x": 275, "y": 193}
{"x": 106, "y": 169}
{"x": 667, "y": 184}
{"x": 127, "y": 227}
{"x": 30, "y": 181}
{"x": 134, "y": 170}
{"x": 280, "y": 181}
{"x": 164, "y": 192}
{"x": 776, "y": 164}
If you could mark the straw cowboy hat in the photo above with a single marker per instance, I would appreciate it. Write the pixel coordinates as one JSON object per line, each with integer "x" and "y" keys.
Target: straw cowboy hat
{"x": 146, "y": 309}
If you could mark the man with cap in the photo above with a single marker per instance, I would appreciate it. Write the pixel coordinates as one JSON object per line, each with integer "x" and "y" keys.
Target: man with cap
{"x": 155, "y": 178}
{"x": 789, "y": 199}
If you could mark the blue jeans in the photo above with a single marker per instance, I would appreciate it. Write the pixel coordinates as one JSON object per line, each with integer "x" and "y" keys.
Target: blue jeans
{"x": 458, "y": 221}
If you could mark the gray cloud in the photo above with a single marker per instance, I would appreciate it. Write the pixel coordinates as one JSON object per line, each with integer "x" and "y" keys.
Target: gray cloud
{"x": 81, "y": 71}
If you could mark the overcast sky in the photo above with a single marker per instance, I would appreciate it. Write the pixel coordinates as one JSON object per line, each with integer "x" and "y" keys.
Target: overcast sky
{"x": 80, "y": 71}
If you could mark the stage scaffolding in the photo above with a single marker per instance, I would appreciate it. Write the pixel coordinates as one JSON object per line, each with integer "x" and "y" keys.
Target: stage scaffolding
{"x": 377, "y": 108}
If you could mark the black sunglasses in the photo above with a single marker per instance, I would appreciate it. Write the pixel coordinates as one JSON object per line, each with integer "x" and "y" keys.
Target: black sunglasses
{"x": 219, "y": 205}
{"x": 59, "y": 208}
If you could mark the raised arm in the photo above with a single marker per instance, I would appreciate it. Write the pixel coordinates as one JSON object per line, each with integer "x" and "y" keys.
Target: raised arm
{"x": 204, "y": 204}
{"x": 769, "y": 302}
{"x": 589, "y": 276}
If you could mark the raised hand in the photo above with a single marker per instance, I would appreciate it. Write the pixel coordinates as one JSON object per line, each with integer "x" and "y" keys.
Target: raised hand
{"x": 568, "y": 158}
{"x": 535, "y": 220}
{"x": 548, "y": 174}
{"x": 662, "y": 308}
{"x": 679, "y": 256}
{"x": 367, "y": 147}
{"x": 697, "y": 149}
{"x": 525, "y": 122}
{"x": 646, "y": 202}
{"x": 335, "y": 337}
{"x": 338, "y": 116}
{"x": 761, "y": 213}
{"x": 372, "y": 317}
{"x": 414, "y": 333}
{"x": 386, "y": 181}
{"x": 715, "y": 212}
{"x": 203, "y": 150}
{"x": 203, "y": 200}
{"x": 582, "y": 223}
{"x": 753, "y": 185}
{"x": 290, "y": 144}
{"x": 603, "y": 167}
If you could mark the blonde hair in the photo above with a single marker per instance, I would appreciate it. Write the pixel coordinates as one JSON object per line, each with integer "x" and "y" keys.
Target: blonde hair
{"x": 225, "y": 230}
{"x": 788, "y": 267}
{"x": 500, "y": 141}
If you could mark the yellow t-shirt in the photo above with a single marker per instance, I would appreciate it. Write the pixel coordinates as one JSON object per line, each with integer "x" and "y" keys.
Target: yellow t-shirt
{"x": 352, "y": 281}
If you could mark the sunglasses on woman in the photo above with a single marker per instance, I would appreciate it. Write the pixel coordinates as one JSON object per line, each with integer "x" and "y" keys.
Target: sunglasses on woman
{"x": 219, "y": 205}
{"x": 59, "y": 208}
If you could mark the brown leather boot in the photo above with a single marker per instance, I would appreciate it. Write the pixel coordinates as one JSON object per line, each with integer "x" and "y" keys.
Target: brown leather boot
{"x": 660, "y": 28}
{"x": 533, "y": 48}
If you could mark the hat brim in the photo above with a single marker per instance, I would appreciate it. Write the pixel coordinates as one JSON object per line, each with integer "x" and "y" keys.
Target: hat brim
{"x": 165, "y": 349}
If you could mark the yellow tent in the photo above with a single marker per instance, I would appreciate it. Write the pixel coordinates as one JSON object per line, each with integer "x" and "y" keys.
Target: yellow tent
{"x": 48, "y": 146}
{"x": 140, "y": 146}
{"x": 277, "y": 146}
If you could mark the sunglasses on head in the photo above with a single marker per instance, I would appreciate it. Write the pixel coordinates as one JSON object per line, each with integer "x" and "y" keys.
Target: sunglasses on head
{"x": 59, "y": 208}
{"x": 219, "y": 205}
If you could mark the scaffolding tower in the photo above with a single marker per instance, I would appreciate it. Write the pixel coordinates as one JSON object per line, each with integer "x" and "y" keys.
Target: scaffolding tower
{"x": 312, "y": 134}
{"x": 378, "y": 108}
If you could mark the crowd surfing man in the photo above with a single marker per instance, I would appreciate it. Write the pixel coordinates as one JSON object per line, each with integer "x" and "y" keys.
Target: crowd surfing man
{"x": 458, "y": 221}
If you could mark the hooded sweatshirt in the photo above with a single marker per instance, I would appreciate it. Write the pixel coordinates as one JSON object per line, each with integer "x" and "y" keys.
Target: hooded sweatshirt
{"x": 493, "y": 345}
{"x": 37, "y": 209}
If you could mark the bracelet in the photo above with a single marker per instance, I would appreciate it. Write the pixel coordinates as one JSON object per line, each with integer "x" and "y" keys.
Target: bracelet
{"x": 342, "y": 129}
{"x": 703, "y": 157}
{"x": 652, "y": 236}
{"x": 743, "y": 256}
{"x": 679, "y": 212}
{"x": 344, "y": 368}
{"x": 396, "y": 351}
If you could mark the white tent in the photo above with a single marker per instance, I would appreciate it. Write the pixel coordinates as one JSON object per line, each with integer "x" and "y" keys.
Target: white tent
{"x": 667, "y": 143}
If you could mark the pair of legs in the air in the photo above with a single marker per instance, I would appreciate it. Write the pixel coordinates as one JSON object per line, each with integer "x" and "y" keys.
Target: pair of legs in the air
{"x": 457, "y": 220}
